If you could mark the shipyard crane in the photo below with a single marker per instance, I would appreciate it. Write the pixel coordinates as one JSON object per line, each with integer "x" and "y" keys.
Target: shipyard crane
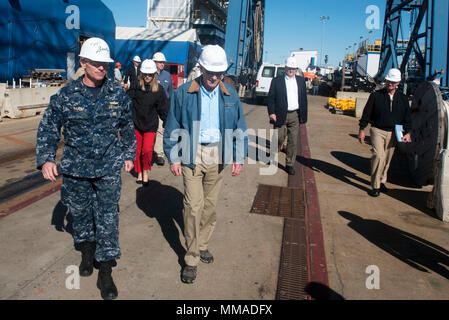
{"x": 244, "y": 35}
{"x": 415, "y": 40}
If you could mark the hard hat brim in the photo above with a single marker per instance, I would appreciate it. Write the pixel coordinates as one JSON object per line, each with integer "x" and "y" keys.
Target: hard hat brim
{"x": 98, "y": 60}
{"x": 392, "y": 79}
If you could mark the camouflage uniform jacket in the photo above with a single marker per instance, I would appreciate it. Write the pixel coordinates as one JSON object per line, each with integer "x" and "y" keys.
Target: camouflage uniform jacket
{"x": 98, "y": 134}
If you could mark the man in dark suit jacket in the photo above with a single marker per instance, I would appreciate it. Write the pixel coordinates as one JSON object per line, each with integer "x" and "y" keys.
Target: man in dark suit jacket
{"x": 132, "y": 73}
{"x": 287, "y": 108}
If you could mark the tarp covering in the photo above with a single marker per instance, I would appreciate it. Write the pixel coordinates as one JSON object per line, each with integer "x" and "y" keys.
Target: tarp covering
{"x": 45, "y": 34}
{"x": 178, "y": 47}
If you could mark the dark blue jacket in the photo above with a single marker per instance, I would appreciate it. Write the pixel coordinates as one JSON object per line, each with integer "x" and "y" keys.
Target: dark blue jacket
{"x": 98, "y": 134}
{"x": 277, "y": 100}
{"x": 181, "y": 134}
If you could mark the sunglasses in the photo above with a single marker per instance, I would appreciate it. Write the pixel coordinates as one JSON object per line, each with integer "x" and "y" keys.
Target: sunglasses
{"x": 147, "y": 74}
{"x": 97, "y": 64}
{"x": 217, "y": 74}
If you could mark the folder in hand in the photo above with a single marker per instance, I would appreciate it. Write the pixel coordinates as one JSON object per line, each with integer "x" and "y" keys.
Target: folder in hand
{"x": 399, "y": 130}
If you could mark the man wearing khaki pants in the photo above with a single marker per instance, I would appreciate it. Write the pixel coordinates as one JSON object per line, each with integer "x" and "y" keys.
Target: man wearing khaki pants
{"x": 205, "y": 130}
{"x": 385, "y": 109}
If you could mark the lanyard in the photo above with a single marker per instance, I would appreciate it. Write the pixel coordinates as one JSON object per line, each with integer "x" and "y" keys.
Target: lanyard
{"x": 92, "y": 111}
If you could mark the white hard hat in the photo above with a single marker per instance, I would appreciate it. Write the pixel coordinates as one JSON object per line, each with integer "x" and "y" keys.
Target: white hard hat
{"x": 96, "y": 49}
{"x": 159, "y": 57}
{"x": 137, "y": 59}
{"x": 394, "y": 75}
{"x": 291, "y": 63}
{"x": 148, "y": 66}
{"x": 213, "y": 58}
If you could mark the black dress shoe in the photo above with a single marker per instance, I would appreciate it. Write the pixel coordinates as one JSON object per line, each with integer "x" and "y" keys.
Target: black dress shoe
{"x": 139, "y": 181}
{"x": 383, "y": 188}
{"x": 290, "y": 170}
{"x": 374, "y": 192}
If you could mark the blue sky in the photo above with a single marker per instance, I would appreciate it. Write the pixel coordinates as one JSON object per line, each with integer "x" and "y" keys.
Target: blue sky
{"x": 292, "y": 24}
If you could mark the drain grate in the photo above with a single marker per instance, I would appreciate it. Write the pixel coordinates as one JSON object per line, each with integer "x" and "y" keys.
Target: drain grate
{"x": 290, "y": 204}
{"x": 279, "y": 201}
{"x": 293, "y": 275}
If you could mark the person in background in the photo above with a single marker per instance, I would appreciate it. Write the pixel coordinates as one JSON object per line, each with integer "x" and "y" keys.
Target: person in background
{"x": 315, "y": 85}
{"x": 385, "y": 109}
{"x": 287, "y": 109}
{"x": 243, "y": 82}
{"x": 99, "y": 141}
{"x": 79, "y": 73}
{"x": 132, "y": 73}
{"x": 166, "y": 82}
{"x": 118, "y": 73}
{"x": 211, "y": 113}
{"x": 194, "y": 73}
{"x": 149, "y": 104}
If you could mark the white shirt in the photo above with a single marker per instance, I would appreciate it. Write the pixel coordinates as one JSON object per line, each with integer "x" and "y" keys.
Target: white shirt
{"x": 292, "y": 93}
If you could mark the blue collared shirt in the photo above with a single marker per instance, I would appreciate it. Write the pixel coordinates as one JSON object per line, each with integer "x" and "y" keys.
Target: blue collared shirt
{"x": 166, "y": 82}
{"x": 210, "y": 118}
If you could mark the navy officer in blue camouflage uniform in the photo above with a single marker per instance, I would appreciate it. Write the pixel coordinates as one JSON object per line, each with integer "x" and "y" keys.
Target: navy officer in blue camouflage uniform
{"x": 99, "y": 140}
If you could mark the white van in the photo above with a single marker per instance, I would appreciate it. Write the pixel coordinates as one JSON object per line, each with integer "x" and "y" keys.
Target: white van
{"x": 263, "y": 80}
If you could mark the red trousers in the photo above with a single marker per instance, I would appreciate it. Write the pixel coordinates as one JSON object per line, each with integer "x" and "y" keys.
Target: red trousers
{"x": 144, "y": 154}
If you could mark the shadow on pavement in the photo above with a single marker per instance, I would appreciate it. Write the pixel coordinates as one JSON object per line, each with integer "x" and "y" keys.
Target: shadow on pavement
{"x": 58, "y": 219}
{"x": 334, "y": 171}
{"x": 354, "y": 161}
{"x": 165, "y": 204}
{"x": 356, "y": 136}
{"x": 319, "y": 291}
{"x": 410, "y": 249}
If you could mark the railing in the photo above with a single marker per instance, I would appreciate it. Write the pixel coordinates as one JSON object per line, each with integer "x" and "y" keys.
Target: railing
{"x": 200, "y": 17}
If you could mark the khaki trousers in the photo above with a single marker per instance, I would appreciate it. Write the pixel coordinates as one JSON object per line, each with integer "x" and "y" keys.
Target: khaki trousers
{"x": 383, "y": 143}
{"x": 290, "y": 130}
{"x": 158, "y": 143}
{"x": 202, "y": 186}
{"x": 242, "y": 90}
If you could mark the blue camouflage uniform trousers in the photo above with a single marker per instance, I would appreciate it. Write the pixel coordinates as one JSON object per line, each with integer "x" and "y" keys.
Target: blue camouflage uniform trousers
{"x": 93, "y": 203}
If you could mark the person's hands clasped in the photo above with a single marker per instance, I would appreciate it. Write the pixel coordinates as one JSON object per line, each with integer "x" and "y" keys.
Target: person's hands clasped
{"x": 49, "y": 171}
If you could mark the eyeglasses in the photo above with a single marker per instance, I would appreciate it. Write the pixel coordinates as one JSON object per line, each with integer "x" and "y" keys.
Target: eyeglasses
{"x": 98, "y": 64}
{"x": 211, "y": 74}
{"x": 147, "y": 74}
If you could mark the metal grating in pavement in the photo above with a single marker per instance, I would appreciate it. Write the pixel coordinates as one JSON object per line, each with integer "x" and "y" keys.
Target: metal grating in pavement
{"x": 293, "y": 275}
{"x": 279, "y": 201}
{"x": 290, "y": 204}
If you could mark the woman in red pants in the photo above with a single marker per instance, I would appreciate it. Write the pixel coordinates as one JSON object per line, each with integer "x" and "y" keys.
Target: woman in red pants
{"x": 149, "y": 101}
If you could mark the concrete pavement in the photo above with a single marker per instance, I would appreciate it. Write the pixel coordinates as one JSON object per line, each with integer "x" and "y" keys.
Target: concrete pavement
{"x": 395, "y": 233}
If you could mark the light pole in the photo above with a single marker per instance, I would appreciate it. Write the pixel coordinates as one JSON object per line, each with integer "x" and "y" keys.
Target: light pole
{"x": 322, "y": 18}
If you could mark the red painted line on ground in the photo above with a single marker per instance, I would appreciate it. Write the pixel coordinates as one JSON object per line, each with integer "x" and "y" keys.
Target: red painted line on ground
{"x": 16, "y": 133}
{"x": 28, "y": 199}
{"x": 314, "y": 232}
{"x": 18, "y": 141}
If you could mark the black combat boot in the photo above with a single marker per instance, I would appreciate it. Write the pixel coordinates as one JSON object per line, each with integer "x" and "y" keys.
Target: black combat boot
{"x": 87, "y": 258}
{"x": 105, "y": 283}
